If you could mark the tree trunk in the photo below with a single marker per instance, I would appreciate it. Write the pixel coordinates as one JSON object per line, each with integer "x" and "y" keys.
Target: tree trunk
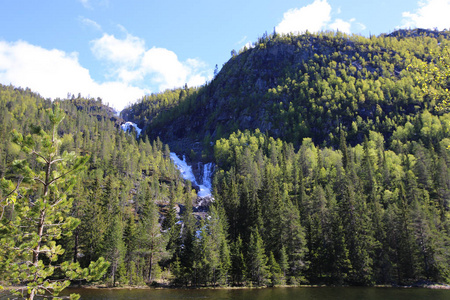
{"x": 150, "y": 267}
{"x": 75, "y": 247}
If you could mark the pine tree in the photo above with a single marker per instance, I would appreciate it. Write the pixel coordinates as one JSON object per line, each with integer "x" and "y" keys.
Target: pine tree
{"x": 273, "y": 208}
{"x": 93, "y": 224}
{"x": 357, "y": 236}
{"x": 340, "y": 264}
{"x": 152, "y": 242}
{"x": 257, "y": 260}
{"x": 225, "y": 260}
{"x": 433, "y": 257}
{"x": 40, "y": 216}
{"x": 274, "y": 270}
{"x": 114, "y": 246}
{"x": 130, "y": 238}
{"x": 294, "y": 240}
{"x": 343, "y": 148}
{"x": 284, "y": 262}
{"x": 220, "y": 242}
{"x": 232, "y": 205}
{"x": 187, "y": 254}
{"x": 170, "y": 224}
{"x": 238, "y": 267}
{"x": 405, "y": 248}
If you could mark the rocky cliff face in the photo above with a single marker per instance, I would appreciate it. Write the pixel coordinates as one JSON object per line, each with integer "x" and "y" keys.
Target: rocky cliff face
{"x": 233, "y": 100}
{"x": 299, "y": 86}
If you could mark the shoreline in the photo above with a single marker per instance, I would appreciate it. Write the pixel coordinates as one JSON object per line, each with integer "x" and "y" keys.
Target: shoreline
{"x": 434, "y": 286}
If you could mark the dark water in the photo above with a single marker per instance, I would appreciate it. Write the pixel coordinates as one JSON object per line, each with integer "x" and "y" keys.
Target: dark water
{"x": 323, "y": 293}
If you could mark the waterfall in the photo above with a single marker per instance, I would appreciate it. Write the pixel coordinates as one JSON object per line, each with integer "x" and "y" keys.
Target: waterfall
{"x": 207, "y": 174}
{"x": 187, "y": 174}
{"x": 127, "y": 127}
{"x": 185, "y": 169}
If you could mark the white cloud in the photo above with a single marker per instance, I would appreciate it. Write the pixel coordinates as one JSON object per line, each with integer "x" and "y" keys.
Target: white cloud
{"x": 361, "y": 26}
{"x": 197, "y": 79}
{"x": 168, "y": 71}
{"x": 242, "y": 40}
{"x": 313, "y": 17}
{"x": 130, "y": 62}
{"x": 244, "y": 43}
{"x": 54, "y": 73}
{"x": 249, "y": 45}
{"x": 90, "y": 23}
{"x": 431, "y": 14}
{"x": 86, "y": 3}
{"x": 341, "y": 25}
{"x": 127, "y": 51}
{"x": 131, "y": 70}
{"x": 196, "y": 64}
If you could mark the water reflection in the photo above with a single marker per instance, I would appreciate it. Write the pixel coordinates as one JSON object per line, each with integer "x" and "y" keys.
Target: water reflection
{"x": 328, "y": 293}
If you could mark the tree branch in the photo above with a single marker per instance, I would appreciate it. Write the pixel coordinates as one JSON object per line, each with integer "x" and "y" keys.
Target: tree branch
{"x": 39, "y": 180}
{"x": 41, "y": 156}
{"x": 9, "y": 194}
{"x": 61, "y": 176}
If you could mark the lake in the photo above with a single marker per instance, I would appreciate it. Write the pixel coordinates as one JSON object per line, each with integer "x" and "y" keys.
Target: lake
{"x": 304, "y": 293}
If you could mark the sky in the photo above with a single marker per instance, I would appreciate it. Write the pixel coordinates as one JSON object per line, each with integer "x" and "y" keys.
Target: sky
{"x": 122, "y": 50}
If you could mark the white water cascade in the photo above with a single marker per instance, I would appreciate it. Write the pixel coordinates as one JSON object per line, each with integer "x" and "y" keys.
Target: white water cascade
{"x": 186, "y": 172}
{"x": 207, "y": 175}
{"x": 128, "y": 125}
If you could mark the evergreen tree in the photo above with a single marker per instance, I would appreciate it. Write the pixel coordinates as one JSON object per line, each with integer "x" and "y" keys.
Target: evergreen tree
{"x": 29, "y": 237}
{"x": 357, "y": 236}
{"x": 152, "y": 242}
{"x": 238, "y": 267}
{"x": 114, "y": 246}
{"x": 170, "y": 224}
{"x": 257, "y": 260}
{"x": 93, "y": 224}
{"x": 294, "y": 240}
{"x": 130, "y": 238}
{"x": 187, "y": 254}
{"x": 274, "y": 270}
{"x": 283, "y": 262}
{"x": 405, "y": 248}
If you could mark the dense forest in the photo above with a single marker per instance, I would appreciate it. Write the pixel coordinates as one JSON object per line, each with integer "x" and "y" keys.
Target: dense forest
{"x": 331, "y": 167}
{"x": 297, "y": 86}
{"x": 117, "y": 197}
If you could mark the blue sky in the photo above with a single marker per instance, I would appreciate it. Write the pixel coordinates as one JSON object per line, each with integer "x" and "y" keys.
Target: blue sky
{"x": 122, "y": 50}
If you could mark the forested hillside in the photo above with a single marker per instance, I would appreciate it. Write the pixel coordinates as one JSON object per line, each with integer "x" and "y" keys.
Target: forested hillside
{"x": 332, "y": 161}
{"x": 309, "y": 85}
{"x": 353, "y": 215}
{"x": 120, "y": 198}
{"x": 331, "y": 167}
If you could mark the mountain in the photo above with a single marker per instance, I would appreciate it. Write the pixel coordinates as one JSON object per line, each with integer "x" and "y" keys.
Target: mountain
{"x": 329, "y": 161}
{"x": 296, "y": 86}
{"x": 125, "y": 182}
{"x": 419, "y": 32}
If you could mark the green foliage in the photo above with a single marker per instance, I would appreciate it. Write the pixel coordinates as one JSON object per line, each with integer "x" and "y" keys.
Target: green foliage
{"x": 258, "y": 271}
{"x": 343, "y": 178}
{"x": 311, "y": 85}
{"x": 39, "y": 215}
{"x": 350, "y": 216}
{"x": 102, "y": 192}
{"x": 434, "y": 77}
